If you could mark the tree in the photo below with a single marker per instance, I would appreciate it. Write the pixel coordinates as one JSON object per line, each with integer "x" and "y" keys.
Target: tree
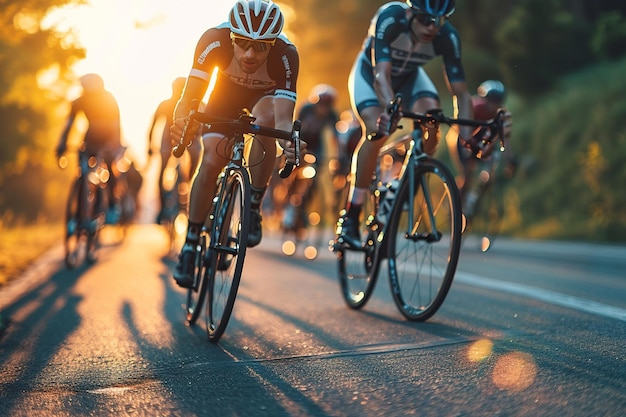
{"x": 30, "y": 51}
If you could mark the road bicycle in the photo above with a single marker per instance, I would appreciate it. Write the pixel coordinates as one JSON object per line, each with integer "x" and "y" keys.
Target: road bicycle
{"x": 173, "y": 214}
{"x": 303, "y": 209}
{"x": 221, "y": 249}
{"x": 483, "y": 201}
{"x": 413, "y": 219}
{"x": 85, "y": 209}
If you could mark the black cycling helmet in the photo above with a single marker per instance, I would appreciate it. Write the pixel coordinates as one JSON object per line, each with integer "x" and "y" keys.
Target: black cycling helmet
{"x": 443, "y": 8}
{"x": 492, "y": 90}
{"x": 92, "y": 82}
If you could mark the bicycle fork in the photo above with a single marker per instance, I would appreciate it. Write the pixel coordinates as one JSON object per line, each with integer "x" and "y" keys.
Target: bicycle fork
{"x": 433, "y": 235}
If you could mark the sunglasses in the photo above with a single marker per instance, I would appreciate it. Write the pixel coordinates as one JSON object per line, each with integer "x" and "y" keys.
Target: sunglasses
{"x": 428, "y": 19}
{"x": 247, "y": 43}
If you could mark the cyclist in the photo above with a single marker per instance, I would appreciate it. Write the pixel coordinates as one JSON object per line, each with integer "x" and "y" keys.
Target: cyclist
{"x": 257, "y": 69}
{"x": 164, "y": 113}
{"x": 402, "y": 38}
{"x": 103, "y": 135}
{"x": 318, "y": 117}
{"x": 486, "y": 103}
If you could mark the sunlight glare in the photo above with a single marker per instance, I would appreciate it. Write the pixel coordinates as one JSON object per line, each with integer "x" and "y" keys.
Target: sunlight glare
{"x": 139, "y": 47}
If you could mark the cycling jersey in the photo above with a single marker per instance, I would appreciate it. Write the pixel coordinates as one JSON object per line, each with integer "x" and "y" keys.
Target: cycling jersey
{"x": 313, "y": 126}
{"x": 389, "y": 39}
{"x": 103, "y": 114}
{"x": 235, "y": 89}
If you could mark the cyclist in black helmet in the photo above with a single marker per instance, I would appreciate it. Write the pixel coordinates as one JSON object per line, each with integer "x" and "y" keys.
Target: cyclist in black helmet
{"x": 258, "y": 70}
{"x": 401, "y": 39}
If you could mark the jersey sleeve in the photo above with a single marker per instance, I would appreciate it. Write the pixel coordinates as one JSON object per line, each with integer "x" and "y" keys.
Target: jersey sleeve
{"x": 284, "y": 64}
{"x": 213, "y": 49}
{"x": 387, "y": 25}
{"x": 448, "y": 45}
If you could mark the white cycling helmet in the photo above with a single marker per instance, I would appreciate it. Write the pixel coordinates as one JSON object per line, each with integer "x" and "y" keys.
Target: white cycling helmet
{"x": 256, "y": 19}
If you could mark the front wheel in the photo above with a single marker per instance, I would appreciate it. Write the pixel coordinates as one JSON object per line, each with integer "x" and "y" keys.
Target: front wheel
{"x": 229, "y": 241}
{"x": 424, "y": 238}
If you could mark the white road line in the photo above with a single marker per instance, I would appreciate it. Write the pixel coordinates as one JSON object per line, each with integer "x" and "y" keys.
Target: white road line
{"x": 547, "y": 296}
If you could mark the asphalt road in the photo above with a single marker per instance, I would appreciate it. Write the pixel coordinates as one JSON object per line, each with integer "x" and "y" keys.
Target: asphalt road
{"x": 528, "y": 329}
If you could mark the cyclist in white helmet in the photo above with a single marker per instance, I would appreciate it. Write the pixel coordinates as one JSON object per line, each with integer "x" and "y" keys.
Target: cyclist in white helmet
{"x": 402, "y": 38}
{"x": 257, "y": 69}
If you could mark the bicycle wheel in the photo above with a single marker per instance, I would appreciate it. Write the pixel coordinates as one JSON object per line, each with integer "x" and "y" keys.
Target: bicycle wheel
{"x": 196, "y": 294}
{"x": 96, "y": 215}
{"x": 358, "y": 268}
{"x": 73, "y": 226}
{"x": 229, "y": 241}
{"x": 424, "y": 245}
{"x": 489, "y": 209}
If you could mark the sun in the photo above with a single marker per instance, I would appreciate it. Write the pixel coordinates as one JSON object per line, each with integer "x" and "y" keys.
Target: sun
{"x": 139, "y": 47}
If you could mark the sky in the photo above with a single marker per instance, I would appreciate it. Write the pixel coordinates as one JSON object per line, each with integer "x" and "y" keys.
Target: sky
{"x": 139, "y": 47}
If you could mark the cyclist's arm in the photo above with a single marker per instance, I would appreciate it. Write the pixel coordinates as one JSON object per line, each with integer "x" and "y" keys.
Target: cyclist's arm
{"x": 463, "y": 107}
{"x": 283, "y": 118}
{"x": 194, "y": 90}
{"x": 62, "y": 146}
{"x": 382, "y": 83}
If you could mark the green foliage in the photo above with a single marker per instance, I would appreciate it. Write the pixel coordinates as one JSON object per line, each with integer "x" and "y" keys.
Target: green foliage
{"x": 572, "y": 144}
{"x": 609, "y": 38}
{"x": 28, "y": 51}
{"x": 539, "y": 42}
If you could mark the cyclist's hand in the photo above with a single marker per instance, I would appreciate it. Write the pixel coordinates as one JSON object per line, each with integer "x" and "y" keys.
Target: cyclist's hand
{"x": 387, "y": 124}
{"x": 176, "y": 130}
{"x": 290, "y": 151}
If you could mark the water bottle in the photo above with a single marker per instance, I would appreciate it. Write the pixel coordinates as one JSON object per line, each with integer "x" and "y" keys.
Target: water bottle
{"x": 385, "y": 202}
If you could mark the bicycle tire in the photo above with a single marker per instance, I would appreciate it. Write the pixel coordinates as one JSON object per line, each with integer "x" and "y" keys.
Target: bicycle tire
{"x": 486, "y": 221}
{"x": 421, "y": 264}
{"x": 358, "y": 268}
{"x": 95, "y": 218}
{"x": 229, "y": 241}
{"x": 196, "y": 294}
{"x": 73, "y": 226}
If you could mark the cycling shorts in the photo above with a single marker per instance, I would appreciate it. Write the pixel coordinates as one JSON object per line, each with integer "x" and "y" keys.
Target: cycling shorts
{"x": 412, "y": 86}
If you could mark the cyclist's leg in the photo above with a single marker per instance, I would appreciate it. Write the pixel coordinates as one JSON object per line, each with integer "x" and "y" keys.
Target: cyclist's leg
{"x": 166, "y": 153}
{"x": 367, "y": 110}
{"x": 261, "y": 161}
{"x": 201, "y": 196}
{"x": 423, "y": 98}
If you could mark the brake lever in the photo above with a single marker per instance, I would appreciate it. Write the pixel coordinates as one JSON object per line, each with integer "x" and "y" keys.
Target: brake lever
{"x": 295, "y": 136}
{"x": 179, "y": 149}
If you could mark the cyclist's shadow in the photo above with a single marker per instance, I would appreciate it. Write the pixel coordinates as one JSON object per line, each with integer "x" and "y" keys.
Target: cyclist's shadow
{"x": 39, "y": 323}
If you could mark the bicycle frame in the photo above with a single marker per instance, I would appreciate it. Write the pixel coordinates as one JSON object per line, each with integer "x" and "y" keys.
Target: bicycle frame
{"x": 224, "y": 238}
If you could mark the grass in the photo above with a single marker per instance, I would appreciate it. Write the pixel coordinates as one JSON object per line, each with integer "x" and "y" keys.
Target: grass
{"x": 20, "y": 245}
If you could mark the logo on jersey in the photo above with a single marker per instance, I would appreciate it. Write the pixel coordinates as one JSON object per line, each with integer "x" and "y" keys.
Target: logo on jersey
{"x": 380, "y": 32}
{"x": 206, "y": 51}
{"x": 287, "y": 71}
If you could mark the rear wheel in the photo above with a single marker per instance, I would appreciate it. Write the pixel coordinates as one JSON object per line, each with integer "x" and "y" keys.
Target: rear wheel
{"x": 196, "y": 294}
{"x": 73, "y": 226}
{"x": 424, "y": 245}
{"x": 358, "y": 269}
{"x": 228, "y": 246}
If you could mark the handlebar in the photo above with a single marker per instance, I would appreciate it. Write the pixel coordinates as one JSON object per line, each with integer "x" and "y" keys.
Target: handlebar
{"x": 242, "y": 125}
{"x": 436, "y": 117}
